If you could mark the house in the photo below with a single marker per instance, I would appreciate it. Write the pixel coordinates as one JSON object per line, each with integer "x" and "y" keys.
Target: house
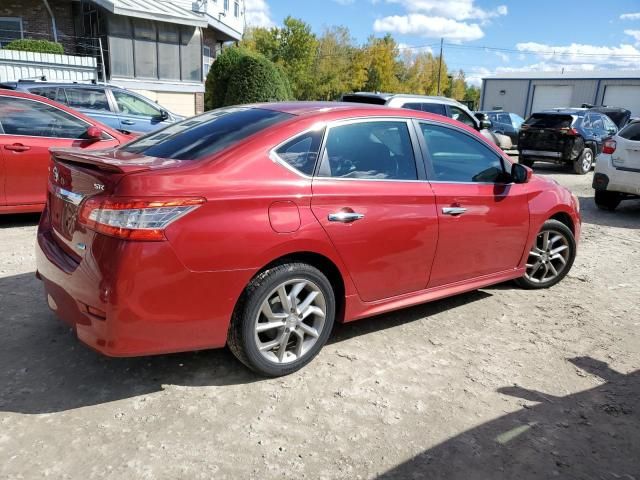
{"x": 529, "y": 92}
{"x": 159, "y": 48}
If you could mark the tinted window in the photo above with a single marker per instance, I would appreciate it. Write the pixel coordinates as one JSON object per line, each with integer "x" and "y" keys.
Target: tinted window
{"x": 462, "y": 116}
{"x": 364, "y": 99}
{"x": 458, "y": 157}
{"x": 89, "y": 99}
{"x": 631, "y": 132}
{"x": 504, "y": 118}
{"x": 609, "y": 126}
{"x": 436, "y": 108}
{"x": 413, "y": 106}
{"x": 35, "y": 119}
{"x": 48, "y": 92}
{"x": 545, "y": 120}
{"x": 369, "y": 150}
{"x": 596, "y": 123}
{"x": 209, "y": 133}
{"x": 302, "y": 152}
{"x": 133, "y": 105}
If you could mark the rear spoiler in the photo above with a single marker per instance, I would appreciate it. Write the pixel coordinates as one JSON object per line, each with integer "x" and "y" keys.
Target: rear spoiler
{"x": 106, "y": 161}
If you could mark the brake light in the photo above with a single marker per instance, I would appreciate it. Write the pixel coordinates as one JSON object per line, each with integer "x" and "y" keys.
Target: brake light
{"x": 572, "y": 132}
{"x": 135, "y": 219}
{"x": 609, "y": 146}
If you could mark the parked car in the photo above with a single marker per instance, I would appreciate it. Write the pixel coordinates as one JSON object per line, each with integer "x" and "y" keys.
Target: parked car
{"x": 116, "y": 107}
{"x": 29, "y": 126}
{"x": 617, "y": 174}
{"x": 259, "y": 226}
{"x": 503, "y": 141}
{"x": 505, "y": 123}
{"x": 444, "y": 106}
{"x": 619, "y": 116}
{"x": 566, "y": 136}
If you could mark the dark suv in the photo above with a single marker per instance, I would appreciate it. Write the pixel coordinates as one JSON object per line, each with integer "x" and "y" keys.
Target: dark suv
{"x": 571, "y": 136}
{"x": 116, "y": 107}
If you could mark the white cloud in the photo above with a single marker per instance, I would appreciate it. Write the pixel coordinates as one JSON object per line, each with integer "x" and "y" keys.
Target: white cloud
{"x": 454, "y": 9}
{"x": 622, "y": 56}
{"x": 630, "y": 16}
{"x": 404, "y": 47}
{"x": 430, "y": 27}
{"x": 258, "y": 14}
{"x": 635, "y": 34}
{"x": 344, "y": 2}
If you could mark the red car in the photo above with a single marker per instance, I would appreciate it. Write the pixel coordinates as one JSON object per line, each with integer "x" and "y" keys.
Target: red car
{"x": 259, "y": 226}
{"x": 29, "y": 126}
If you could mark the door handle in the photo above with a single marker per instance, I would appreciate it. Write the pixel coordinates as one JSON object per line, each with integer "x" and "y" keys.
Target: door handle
{"x": 454, "y": 211}
{"x": 128, "y": 122}
{"x": 345, "y": 217}
{"x": 17, "y": 147}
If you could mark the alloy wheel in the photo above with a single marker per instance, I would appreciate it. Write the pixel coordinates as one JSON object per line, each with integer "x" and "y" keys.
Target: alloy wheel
{"x": 290, "y": 321}
{"x": 548, "y": 258}
{"x": 587, "y": 161}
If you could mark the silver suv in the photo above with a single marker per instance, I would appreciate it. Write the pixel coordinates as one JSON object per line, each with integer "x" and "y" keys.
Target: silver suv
{"x": 447, "y": 107}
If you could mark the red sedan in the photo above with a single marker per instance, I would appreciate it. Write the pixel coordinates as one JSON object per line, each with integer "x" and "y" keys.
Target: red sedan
{"x": 260, "y": 226}
{"x": 29, "y": 126}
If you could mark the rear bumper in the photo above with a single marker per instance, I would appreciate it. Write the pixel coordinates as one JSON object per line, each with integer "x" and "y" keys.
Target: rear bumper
{"x": 136, "y": 298}
{"x": 609, "y": 178}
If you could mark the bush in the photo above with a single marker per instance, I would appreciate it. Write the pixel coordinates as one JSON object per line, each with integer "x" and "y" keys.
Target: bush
{"x": 40, "y": 46}
{"x": 256, "y": 79}
{"x": 239, "y": 76}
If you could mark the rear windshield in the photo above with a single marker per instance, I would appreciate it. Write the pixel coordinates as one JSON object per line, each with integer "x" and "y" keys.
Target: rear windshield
{"x": 631, "y": 132}
{"x": 206, "y": 134}
{"x": 544, "y": 120}
{"x": 364, "y": 99}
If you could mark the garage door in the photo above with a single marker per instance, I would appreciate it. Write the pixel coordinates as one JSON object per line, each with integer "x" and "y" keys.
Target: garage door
{"x": 551, "y": 96}
{"x": 625, "y": 96}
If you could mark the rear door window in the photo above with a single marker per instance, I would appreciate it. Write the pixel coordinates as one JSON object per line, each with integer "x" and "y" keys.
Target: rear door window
{"x": 88, "y": 99}
{"x": 377, "y": 150}
{"x": 436, "y": 108}
{"x": 631, "y": 132}
{"x": 301, "y": 152}
{"x": 206, "y": 134}
{"x": 554, "y": 121}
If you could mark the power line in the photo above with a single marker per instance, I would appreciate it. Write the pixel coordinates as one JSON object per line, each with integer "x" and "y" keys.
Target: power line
{"x": 539, "y": 52}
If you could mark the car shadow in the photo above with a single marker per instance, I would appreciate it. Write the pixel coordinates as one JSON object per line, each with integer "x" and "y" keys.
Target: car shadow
{"x": 19, "y": 220}
{"x": 45, "y": 369}
{"x": 592, "y": 434}
{"x": 627, "y": 215}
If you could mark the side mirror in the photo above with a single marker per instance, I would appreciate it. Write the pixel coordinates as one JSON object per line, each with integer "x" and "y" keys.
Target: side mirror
{"x": 94, "y": 133}
{"x": 520, "y": 173}
{"x": 164, "y": 115}
{"x": 486, "y": 124}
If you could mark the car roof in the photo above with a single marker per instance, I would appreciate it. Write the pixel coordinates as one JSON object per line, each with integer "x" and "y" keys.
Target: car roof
{"x": 565, "y": 111}
{"x": 28, "y": 84}
{"x": 406, "y": 96}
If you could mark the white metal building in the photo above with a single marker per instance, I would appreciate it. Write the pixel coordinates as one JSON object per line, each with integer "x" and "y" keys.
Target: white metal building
{"x": 526, "y": 93}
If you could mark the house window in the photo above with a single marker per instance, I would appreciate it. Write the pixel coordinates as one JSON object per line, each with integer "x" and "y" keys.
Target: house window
{"x": 226, "y": 5}
{"x": 206, "y": 60}
{"x": 191, "y": 54}
{"x": 168, "y": 51}
{"x": 236, "y": 9}
{"x": 10, "y": 29}
{"x": 145, "y": 48}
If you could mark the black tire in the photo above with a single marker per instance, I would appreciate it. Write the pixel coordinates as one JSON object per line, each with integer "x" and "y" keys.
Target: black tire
{"x": 607, "y": 200}
{"x": 583, "y": 164}
{"x": 554, "y": 227}
{"x": 242, "y": 331}
{"x": 526, "y": 161}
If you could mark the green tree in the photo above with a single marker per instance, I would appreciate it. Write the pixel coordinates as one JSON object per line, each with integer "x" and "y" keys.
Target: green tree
{"x": 458, "y": 86}
{"x": 472, "y": 94}
{"x": 333, "y": 71}
{"x": 256, "y": 79}
{"x": 217, "y": 81}
{"x": 384, "y": 68}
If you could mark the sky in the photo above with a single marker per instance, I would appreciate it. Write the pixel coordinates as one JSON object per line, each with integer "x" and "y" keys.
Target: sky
{"x": 483, "y": 37}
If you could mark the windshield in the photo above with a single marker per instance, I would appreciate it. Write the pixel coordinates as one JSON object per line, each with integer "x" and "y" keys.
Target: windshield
{"x": 206, "y": 134}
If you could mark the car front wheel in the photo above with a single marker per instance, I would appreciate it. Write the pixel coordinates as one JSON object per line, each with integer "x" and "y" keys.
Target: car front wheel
{"x": 551, "y": 256}
{"x": 283, "y": 319}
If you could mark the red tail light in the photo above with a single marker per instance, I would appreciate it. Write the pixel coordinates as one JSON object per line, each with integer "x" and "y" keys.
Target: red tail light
{"x": 609, "y": 146}
{"x": 572, "y": 132}
{"x": 135, "y": 219}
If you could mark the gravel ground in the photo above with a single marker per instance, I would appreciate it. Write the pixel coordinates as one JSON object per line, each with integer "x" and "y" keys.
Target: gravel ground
{"x": 497, "y": 383}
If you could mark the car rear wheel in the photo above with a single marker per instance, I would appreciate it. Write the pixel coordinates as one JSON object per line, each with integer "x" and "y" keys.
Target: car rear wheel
{"x": 582, "y": 165}
{"x": 283, "y": 319}
{"x": 551, "y": 256}
{"x": 526, "y": 161}
{"x": 607, "y": 200}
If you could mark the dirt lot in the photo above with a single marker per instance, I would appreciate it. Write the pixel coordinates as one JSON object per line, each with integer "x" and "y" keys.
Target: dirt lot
{"x": 498, "y": 383}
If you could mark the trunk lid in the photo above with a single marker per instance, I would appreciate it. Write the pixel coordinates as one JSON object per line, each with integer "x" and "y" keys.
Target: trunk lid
{"x": 77, "y": 175}
{"x": 619, "y": 116}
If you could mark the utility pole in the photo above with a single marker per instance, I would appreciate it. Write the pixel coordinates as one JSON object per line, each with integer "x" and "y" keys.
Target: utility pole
{"x": 440, "y": 65}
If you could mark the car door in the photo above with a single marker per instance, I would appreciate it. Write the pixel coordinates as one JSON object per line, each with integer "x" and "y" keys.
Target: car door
{"x": 138, "y": 114}
{"x": 30, "y": 128}
{"x": 484, "y": 221}
{"x": 94, "y": 103}
{"x": 370, "y": 196}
